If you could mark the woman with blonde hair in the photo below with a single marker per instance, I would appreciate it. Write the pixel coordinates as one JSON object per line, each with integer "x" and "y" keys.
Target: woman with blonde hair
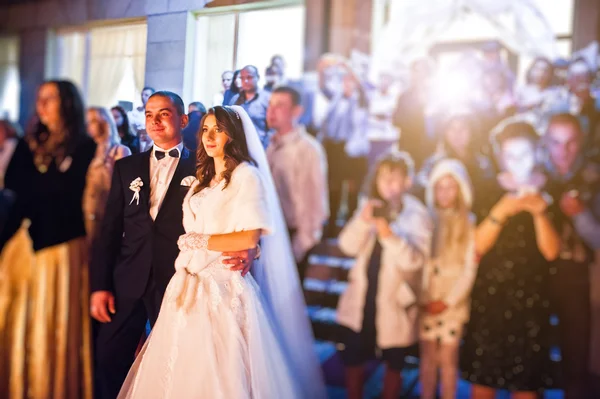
{"x": 448, "y": 277}
{"x": 102, "y": 128}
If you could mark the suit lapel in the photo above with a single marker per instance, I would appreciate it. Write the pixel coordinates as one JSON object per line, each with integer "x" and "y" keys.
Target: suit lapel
{"x": 145, "y": 170}
{"x": 185, "y": 166}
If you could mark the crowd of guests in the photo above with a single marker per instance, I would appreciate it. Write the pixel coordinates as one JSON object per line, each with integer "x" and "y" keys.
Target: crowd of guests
{"x": 478, "y": 232}
{"x": 471, "y": 224}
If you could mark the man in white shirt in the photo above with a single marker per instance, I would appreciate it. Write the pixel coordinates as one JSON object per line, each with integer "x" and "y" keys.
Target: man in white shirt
{"x": 299, "y": 169}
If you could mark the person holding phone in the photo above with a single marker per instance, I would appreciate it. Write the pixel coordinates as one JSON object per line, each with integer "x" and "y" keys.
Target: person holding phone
{"x": 390, "y": 237}
{"x": 508, "y": 338}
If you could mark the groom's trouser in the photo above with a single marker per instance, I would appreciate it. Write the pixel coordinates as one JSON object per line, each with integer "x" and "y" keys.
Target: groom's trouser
{"x": 118, "y": 340}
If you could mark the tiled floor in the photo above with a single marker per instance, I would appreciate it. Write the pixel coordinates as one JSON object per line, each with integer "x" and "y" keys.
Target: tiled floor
{"x": 333, "y": 369}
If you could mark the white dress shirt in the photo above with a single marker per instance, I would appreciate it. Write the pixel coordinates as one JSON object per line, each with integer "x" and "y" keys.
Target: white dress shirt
{"x": 299, "y": 168}
{"x": 161, "y": 173}
{"x": 6, "y": 153}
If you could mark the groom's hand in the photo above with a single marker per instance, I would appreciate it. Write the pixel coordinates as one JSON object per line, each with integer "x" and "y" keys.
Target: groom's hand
{"x": 101, "y": 303}
{"x": 241, "y": 260}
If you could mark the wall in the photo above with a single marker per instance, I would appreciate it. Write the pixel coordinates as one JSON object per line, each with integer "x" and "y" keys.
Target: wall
{"x": 170, "y": 26}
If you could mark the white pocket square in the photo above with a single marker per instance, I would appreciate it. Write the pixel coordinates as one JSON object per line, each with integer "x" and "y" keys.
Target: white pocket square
{"x": 188, "y": 181}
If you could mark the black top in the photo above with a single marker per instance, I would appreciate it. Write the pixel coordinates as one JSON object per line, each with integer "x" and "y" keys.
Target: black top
{"x": 51, "y": 200}
{"x": 507, "y": 341}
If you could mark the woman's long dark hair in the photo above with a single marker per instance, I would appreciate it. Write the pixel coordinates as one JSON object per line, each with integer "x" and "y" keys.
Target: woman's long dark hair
{"x": 234, "y": 89}
{"x": 72, "y": 113}
{"x": 236, "y": 150}
{"x": 125, "y": 130}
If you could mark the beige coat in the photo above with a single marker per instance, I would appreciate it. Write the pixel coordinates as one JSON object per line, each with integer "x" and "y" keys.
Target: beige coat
{"x": 403, "y": 257}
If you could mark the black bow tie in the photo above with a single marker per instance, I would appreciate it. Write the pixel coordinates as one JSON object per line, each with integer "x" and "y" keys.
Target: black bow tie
{"x": 174, "y": 153}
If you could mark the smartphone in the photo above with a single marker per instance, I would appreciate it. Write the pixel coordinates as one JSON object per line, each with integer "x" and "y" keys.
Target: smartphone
{"x": 381, "y": 212}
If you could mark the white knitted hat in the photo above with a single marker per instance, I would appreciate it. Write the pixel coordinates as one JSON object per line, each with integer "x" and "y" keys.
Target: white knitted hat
{"x": 456, "y": 169}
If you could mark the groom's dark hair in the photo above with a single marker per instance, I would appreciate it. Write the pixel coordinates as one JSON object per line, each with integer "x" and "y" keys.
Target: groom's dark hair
{"x": 175, "y": 99}
{"x": 236, "y": 150}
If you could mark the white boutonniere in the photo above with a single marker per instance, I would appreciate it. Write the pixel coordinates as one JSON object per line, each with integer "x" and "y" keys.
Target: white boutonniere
{"x": 136, "y": 186}
{"x": 188, "y": 181}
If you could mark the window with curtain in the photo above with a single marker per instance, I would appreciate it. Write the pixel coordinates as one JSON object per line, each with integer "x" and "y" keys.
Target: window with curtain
{"x": 9, "y": 78}
{"x": 232, "y": 40}
{"x": 68, "y": 60}
{"x": 107, "y": 63}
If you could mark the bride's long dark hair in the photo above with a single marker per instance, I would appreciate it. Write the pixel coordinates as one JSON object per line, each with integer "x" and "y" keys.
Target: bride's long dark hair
{"x": 236, "y": 150}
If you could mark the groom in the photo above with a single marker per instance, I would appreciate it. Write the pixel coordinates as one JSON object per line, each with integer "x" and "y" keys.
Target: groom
{"x": 135, "y": 257}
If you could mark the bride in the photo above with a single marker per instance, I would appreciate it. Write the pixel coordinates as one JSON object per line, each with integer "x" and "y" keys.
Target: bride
{"x": 220, "y": 334}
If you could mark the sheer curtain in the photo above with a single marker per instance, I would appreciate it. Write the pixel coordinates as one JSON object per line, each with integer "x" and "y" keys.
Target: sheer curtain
{"x": 9, "y": 78}
{"x": 214, "y": 54}
{"x": 69, "y": 57}
{"x": 116, "y": 64}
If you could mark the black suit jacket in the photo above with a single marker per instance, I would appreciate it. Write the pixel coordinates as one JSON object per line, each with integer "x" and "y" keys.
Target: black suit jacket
{"x": 132, "y": 248}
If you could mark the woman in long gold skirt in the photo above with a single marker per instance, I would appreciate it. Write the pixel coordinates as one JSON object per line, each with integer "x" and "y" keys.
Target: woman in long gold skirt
{"x": 44, "y": 292}
{"x": 44, "y": 320}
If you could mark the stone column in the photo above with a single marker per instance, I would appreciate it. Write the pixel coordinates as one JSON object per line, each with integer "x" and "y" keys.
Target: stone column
{"x": 350, "y": 26}
{"x": 169, "y": 52}
{"x": 586, "y": 23}
{"x": 316, "y": 34}
{"x": 32, "y": 55}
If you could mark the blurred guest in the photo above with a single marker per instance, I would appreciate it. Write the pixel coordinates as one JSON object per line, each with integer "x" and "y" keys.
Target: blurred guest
{"x": 382, "y": 102}
{"x": 447, "y": 278}
{"x": 575, "y": 185}
{"x": 226, "y": 80}
{"x": 102, "y": 128}
{"x": 561, "y": 67}
{"x": 508, "y": 338}
{"x": 196, "y": 106}
{"x": 583, "y": 104}
{"x": 254, "y": 100}
{"x": 9, "y": 137}
{"x": 190, "y": 132}
{"x": 48, "y": 174}
{"x": 318, "y": 93}
{"x": 492, "y": 59}
{"x": 538, "y": 85}
{"x": 460, "y": 139}
{"x": 128, "y": 137}
{"x": 416, "y": 130}
{"x": 272, "y": 78}
{"x": 499, "y": 101}
{"x": 234, "y": 88}
{"x": 344, "y": 137}
{"x": 146, "y": 142}
{"x": 299, "y": 169}
{"x": 137, "y": 117}
{"x": 390, "y": 236}
{"x": 278, "y": 62}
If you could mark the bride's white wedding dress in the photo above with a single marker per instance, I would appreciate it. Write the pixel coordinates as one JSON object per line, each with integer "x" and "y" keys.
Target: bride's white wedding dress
{"x": 214, "y": 337}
